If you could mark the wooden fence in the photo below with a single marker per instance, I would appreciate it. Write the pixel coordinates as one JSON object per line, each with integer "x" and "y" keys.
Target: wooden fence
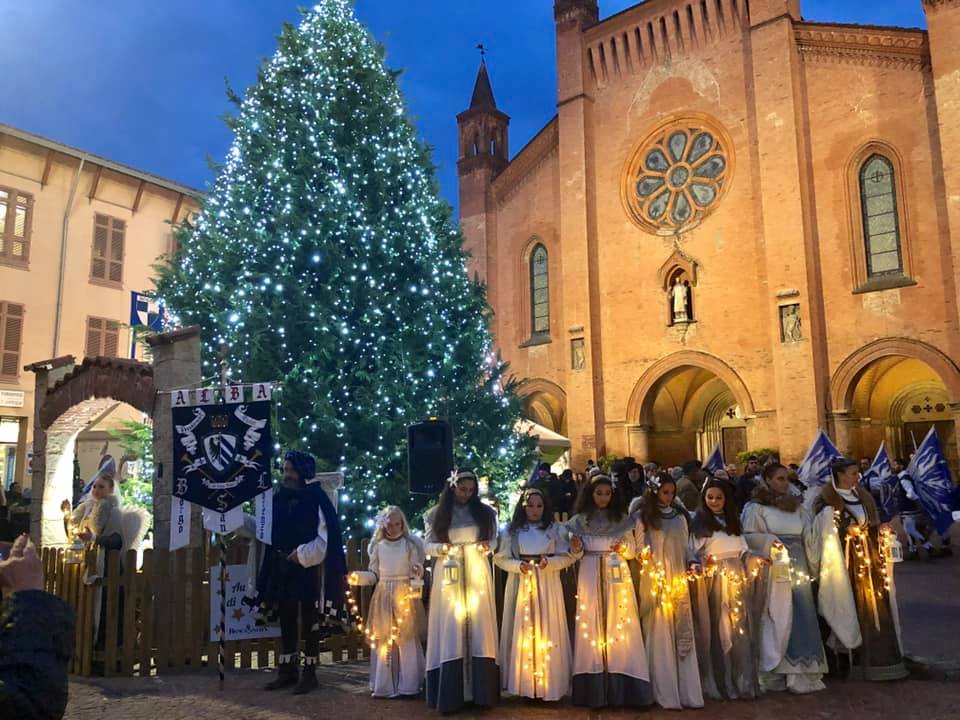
{"x": 157, "y": 618}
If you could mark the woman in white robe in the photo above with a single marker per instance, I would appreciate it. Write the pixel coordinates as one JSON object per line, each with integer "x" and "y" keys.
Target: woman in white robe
{"x": 396, "y": 621}
{"x": 722, "y": 596}
{"x": 609, "y": 661}
{"x": 665, "y": 608}
{"x": 462, "y": 665}
{"x": 535, "y": 653}
{"x": 776, "y": 526}
{"x": 856, "y": 593}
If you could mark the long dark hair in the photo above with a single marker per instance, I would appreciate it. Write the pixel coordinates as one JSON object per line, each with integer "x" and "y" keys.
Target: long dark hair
{"x": 616, "y": 510}
{"x": 649, "y": 507}
{"x": 483, "y": 515}
{"x": 520, "y": 513}
{"x": 705, "y": 523}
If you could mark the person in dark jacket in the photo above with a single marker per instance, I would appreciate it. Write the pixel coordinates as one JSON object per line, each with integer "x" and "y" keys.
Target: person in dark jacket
{"x": 748, "y": 481}
{"x": 36, "y": 639}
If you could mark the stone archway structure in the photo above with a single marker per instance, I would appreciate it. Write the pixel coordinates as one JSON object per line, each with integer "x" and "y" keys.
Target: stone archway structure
{"x": 844, "y": 380}
{"x": 69, "y": 396}
{"x": 545, "y": 403}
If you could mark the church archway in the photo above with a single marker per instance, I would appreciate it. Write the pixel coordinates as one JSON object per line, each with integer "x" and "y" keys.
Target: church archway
{"x": 688, "y": 403}
{"x": 545, "y": 403}
{"x": 894, "y": 391}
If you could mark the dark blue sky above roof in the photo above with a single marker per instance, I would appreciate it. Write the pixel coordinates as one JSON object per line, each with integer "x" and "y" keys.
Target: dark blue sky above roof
{"x": 142, "y": 83}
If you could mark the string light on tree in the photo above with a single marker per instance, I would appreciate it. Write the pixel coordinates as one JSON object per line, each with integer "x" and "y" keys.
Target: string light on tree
{"x": 325, "y": 259}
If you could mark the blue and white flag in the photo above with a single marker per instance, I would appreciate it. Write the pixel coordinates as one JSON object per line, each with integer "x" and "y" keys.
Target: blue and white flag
{"x": 815, "y": 470}
{"x": 880, "y": 479}
{"x": 932, "y": 482}
{"x": 145, "y": 310}
{"x": 715, "y": 461}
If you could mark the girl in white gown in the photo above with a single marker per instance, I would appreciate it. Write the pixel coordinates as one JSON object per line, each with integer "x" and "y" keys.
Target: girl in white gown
{"x": 776, "y": 526}
{"x": 722, "y": 596}
{"x": 609, "y": 663}
{"x": 396, "y": 623}
{"x": 534, "y": 637}
{"x": 665, "y": 608}
{"x": 461, "y": 532}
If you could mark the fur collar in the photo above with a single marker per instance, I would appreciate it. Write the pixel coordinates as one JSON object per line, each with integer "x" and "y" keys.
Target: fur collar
{"x": 830, "y": 496}
{"x": 787, "y": 502}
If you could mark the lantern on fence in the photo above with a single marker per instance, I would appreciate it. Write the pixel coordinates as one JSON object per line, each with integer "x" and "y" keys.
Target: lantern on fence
{"x": 73, "y": 555}
{"x": 451, "y": 569}
{"x": 615, "y": 567}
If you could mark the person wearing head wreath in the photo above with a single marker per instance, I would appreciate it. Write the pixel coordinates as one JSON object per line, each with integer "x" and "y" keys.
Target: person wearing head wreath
{"x": 666, "y": 611}
{"x": 856, "y": 594}
{"x": 395, "y": 621}
{"x": 461, "y": 533}
{"x": 776, "y": 526}
{"x": 534, "y": 637}
{"x": 302, "y": 579}
{"x": 610, "y": 666}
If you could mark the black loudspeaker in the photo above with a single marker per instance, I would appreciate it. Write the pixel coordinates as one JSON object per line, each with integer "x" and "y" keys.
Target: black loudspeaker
{"x": 429, "y": 456}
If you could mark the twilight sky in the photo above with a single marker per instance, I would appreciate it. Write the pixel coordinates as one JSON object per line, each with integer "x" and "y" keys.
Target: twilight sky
{"x": 142, "y": 82}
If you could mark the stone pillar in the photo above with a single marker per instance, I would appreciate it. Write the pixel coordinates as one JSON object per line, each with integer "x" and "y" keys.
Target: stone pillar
{"x": 577, "y": 226}
{"x": 23, "y": 434}
{"x": 840, "y": 431}
{"x": 638, "y": 441}
{"x": 176, "y": 364}
{"x": 43, "y": 528}
{"x": 790, "y": 253}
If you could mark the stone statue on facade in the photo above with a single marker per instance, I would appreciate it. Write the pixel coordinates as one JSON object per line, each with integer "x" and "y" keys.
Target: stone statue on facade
{"x": 680, "y": 293}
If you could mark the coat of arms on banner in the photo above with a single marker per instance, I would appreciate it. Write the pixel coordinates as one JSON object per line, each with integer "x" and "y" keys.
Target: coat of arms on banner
{"x": 222, "y": 453}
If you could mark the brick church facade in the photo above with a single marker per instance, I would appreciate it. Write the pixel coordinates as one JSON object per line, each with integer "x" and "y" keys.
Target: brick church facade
{"x": 739, "y": 227}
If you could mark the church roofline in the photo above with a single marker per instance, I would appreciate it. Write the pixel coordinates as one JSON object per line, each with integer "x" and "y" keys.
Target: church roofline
{"x": 529, "y": 156}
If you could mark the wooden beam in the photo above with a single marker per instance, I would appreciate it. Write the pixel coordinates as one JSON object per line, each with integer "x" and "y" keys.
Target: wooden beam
{"x": 48, "y": 164}
{"x": 136, "y": 201}
{"x": 176, "y": 210}
{"x": 95, "y": 184}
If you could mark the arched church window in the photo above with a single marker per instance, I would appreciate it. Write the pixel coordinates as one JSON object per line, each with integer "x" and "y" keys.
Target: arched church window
{"x": 539, "y": 292}
{"x": 881, "y": 224}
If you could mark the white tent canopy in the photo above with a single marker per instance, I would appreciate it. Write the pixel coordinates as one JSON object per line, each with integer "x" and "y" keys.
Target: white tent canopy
{"x": 546, "y": 438}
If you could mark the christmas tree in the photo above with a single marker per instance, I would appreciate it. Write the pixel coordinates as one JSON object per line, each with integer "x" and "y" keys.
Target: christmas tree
{"x": 324, "y": 259}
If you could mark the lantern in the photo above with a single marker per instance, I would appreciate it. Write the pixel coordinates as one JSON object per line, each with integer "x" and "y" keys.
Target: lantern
{"x": 896, "y": 549}
{"x": 615, "y": 567}
{"x": 73, "y": 555}
{"x": 781, "y": 564}
{"x": 451, "y": 571}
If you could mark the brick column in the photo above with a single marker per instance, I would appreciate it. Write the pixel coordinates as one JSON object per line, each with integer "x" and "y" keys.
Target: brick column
{"x": 176, "y": 364}
{"x": 790, "y": 243}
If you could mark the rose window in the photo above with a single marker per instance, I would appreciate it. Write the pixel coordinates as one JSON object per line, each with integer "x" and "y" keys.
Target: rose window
{"x": 677, "y": 177}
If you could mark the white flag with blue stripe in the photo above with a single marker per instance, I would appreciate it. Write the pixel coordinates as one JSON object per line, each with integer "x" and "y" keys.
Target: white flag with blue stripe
{"x": 880, "y": 479}
{"x": 715, "y": 461}
{"x": 932, "y": 482}
{"x": 816, "y": 470}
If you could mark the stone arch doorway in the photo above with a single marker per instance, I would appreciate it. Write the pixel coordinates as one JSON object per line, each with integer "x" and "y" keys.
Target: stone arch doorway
{"x": 545, "y": 403}
{"x": 686, "y": 404}
{"x": 894, "y": 391}
{"x": 71, "y": 398}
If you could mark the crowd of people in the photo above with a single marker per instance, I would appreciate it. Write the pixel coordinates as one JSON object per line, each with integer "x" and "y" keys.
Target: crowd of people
{"x": 689, "y": 586}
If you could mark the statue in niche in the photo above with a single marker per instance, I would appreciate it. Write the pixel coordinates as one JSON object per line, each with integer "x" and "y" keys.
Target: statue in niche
{"x": 680, "y": 301}
{"x": 790, "y": 327}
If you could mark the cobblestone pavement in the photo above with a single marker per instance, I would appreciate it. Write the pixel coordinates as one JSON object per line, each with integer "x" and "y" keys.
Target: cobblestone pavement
{"x": 343, "y": 696}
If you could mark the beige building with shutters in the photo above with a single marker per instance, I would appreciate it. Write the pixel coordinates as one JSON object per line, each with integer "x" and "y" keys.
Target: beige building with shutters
{"x": 78, "y": 234}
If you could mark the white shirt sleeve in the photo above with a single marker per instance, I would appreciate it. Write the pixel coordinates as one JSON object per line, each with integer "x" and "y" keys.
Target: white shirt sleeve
{"x": 314, "y": 552}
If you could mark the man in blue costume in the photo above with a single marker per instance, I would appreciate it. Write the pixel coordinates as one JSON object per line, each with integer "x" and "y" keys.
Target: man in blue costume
{"x": 302, "y": 579}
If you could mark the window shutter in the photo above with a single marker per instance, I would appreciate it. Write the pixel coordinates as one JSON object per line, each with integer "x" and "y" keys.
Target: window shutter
{"x": 117, "y": 236}
{"x": 11, "y": 335}
{"x": 94, "y": 336}
{"x": 101, "y": 232}
{"x": 111, "y": 338}
{"x": 16, "y": 209}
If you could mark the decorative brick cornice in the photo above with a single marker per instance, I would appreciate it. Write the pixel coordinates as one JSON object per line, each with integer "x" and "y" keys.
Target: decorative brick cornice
{"x": 570, "y": 14}
{"x": 876, "y": 47}
{"x": 936, "y": 5}
{"x": 526, "y": 161}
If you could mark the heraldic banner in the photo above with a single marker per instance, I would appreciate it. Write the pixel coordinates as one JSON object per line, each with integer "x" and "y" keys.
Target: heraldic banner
{"x": 222, "y": 450}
